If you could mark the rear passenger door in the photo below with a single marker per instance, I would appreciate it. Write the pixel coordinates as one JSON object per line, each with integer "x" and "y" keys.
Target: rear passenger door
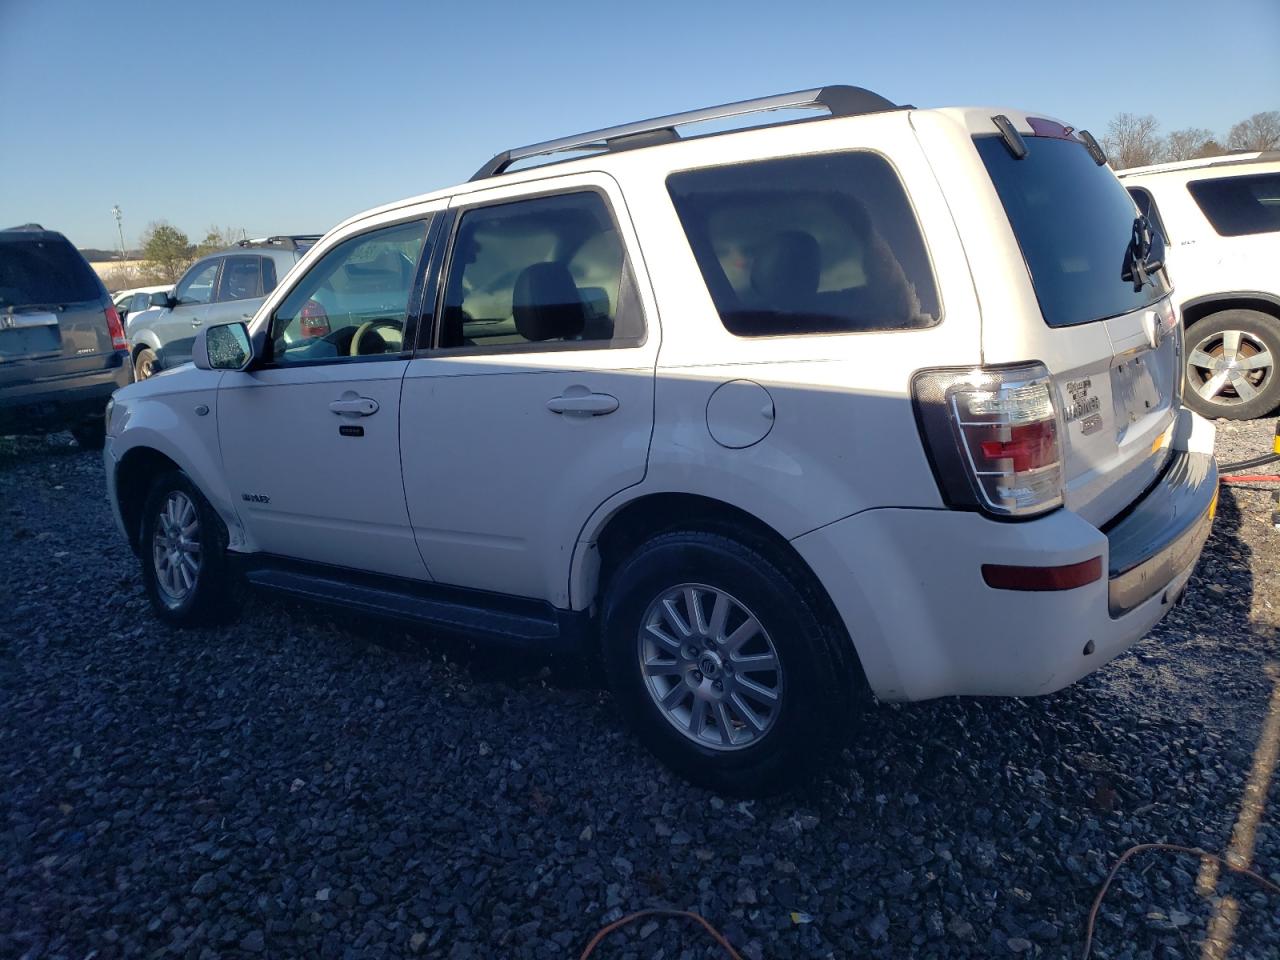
{"x": 532, "y": 401}
{"x": 244, "y": 283}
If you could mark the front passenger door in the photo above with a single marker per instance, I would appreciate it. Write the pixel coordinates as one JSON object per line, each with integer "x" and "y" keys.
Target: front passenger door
{"x": 176, "y": 328}
{"x": 310, "y": 441}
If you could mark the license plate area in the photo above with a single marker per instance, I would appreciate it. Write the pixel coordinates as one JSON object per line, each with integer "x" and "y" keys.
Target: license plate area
{"x": 1140, "y": 387}
{"x": 25, "y": 335}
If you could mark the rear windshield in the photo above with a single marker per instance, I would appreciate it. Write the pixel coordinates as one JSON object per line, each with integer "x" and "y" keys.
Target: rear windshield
{"x": 807, "y": 245}
{"x": 1237, "y": 206}
{"x": 44, "y": 272}
{"x": 1073, "y": 221}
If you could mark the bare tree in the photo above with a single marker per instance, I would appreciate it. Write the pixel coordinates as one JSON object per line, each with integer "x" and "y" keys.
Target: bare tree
{"x": 1189, "y": 144}
{"x": 1132, "y": 141}
{"x": 1259, "y": 132}
{"x": 218, "y": 238}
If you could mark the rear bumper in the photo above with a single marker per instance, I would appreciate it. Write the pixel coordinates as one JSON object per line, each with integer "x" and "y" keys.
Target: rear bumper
{"x": 53, "y": 402}
{"x": 908, "y": 585}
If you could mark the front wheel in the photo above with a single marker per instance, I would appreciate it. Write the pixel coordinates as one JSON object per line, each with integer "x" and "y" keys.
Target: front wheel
{"x": 1232, "y": 365}
{"x": 144, "y": 364}
{"x": 726, "y": 662}
{"x": 183, "y": 547}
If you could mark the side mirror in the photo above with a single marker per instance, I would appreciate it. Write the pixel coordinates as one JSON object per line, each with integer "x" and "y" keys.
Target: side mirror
{"x": 223, "y": 347}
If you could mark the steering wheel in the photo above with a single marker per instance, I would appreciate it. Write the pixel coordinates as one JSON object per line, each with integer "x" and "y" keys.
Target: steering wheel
{"x": 373, "y": 325}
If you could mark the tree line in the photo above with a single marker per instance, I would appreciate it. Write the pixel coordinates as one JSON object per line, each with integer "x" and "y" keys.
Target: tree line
{"x": 167, "y": 252}
{"x": 1135, "y": 140}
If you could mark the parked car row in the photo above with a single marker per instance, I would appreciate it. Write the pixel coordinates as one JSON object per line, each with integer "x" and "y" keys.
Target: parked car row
{"x": 1220, "y": 218}
{"x": 771, "y": 421}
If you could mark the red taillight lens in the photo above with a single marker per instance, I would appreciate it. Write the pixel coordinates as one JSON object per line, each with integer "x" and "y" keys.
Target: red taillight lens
{"x": 313, "y": 321}
{"x": 116, "y": 329}
{"x": 1042, "y": 578}
{"x": 992, "y": 436}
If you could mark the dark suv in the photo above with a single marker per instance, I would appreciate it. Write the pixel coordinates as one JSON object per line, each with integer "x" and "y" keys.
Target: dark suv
{"x": 62, "y": 346}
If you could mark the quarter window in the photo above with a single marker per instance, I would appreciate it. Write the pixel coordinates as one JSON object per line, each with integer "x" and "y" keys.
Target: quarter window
{"x": 807, "y": 245}
{"x": 549, "y": 270}
{"x": 354, "y": 302}
{"x": 197, "y": 285}
{"x": 1238, "y": 206}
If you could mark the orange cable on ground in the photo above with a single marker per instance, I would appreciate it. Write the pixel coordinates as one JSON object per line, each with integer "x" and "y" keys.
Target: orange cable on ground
{"x": 640, "y": 914}
{"x": 1176, "y": 848}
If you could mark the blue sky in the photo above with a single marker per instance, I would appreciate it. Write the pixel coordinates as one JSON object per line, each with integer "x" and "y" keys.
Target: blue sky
{"x": 287, "y": 117}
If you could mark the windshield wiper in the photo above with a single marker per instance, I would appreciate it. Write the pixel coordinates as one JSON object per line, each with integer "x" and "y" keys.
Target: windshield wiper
{"x": 1144, "y": 255}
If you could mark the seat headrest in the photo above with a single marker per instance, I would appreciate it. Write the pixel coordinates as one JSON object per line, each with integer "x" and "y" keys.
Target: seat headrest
{"x": 787, "y": 268}
{"x": 546, "y": 304}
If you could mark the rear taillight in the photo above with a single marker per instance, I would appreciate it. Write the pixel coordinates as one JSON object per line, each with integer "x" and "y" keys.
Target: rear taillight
{"x": 313, "y": 321}
{"x": 992, "y": 437}
{"x": 116, "y": 329}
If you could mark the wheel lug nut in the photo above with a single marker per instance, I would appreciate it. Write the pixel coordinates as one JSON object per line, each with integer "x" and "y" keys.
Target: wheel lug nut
{"x": 717, "y": 684}
{"x": 697, "y": 675}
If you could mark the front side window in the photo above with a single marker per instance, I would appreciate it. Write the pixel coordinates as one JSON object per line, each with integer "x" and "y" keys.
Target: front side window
{"x": 197, "y": 285}
{"x": 550, "y": 270}
{"x": 1147, "y": 207}
{"x": 241, "y": 278}
{"x": 139, "y": 302}
{"x": 1073, "y": 222}
{"x": 807, "y": 245}
{"x": 1239, "y": 206}
{"x": 354, "y": 302}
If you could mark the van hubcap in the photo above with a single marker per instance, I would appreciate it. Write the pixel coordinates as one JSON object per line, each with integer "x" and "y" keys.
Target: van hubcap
{"x": 710, "y": 666}
{"x": 175, "y": 547}
{"x": 1229, "y": 367}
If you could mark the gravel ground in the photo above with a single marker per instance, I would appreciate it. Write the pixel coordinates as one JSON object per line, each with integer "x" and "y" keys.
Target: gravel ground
{"x": 300, "y": 786}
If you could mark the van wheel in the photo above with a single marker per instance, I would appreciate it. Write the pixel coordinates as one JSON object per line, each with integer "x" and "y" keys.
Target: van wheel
{"x": 144, "y": 363}
{"x": 183, "y": 549}
{"x": 725, "y": 664}
{"x": 1232, "y": 360}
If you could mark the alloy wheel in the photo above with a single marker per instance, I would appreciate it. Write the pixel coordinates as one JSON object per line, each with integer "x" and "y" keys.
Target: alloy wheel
{"x": 1230, "y": 367}
{"x": 710, "y": 666}
{"x": 175, "y": 548}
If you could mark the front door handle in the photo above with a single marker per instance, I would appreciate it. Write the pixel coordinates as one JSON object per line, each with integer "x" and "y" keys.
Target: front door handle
{"x": 580, "y": 402}
{"x": 354, "y": 407}
{"x": 196, "y": 321}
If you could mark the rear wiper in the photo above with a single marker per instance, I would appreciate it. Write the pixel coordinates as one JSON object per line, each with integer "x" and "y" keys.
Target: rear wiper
{"x": 1144, "y": 255}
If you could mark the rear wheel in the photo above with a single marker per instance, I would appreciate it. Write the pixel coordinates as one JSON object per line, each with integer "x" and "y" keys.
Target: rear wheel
{"x": 1232, "y": 365}
{"x": 144, "y": 363}
{"x": 726, "y": 663}
{"x": 183, "y": 547}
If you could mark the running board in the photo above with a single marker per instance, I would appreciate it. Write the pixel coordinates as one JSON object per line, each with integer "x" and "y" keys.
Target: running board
{"x": 483, "y": 616}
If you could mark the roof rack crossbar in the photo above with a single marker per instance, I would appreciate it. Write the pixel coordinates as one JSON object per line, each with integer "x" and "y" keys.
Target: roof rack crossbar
{"x": 838, "y": 101}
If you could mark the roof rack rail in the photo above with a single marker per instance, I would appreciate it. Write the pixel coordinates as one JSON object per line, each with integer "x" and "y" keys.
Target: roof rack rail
{"x": 289, "y": 242}
{"x": 838, "y": 100}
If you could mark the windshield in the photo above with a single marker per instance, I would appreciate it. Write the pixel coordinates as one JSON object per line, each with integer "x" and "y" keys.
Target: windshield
{"x": 43, "y": 272}
{"x": 1073, "y": 221}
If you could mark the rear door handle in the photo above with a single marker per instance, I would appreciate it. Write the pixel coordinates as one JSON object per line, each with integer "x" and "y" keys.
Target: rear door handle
{"x": 354, "y": 407}
{"x": 581, "y": 402}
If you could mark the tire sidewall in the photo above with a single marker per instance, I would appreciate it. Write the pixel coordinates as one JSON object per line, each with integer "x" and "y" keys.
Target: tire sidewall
{"x": 206, "y": 601}
{"x": 145, "y": 356}
{"x": 1264, "y": 327}
{"x": 799, "y": 734}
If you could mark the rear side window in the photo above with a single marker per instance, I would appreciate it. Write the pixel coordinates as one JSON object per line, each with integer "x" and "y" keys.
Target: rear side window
{"x": 1147, "y": 207}
{"x": 44, "y": 272}
{"x": 1239, "y": 206}
{"x": 241, "y": 278}
{"x": 1073, "y": 221}
{"x": 807, "y": 245}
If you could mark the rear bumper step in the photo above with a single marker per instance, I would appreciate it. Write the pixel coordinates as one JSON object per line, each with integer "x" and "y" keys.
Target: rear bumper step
{"x": 1164, "y": 532}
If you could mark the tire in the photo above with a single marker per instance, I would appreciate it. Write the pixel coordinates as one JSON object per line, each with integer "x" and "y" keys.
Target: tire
{"x": 817, "y": 684}
{"x": 1235, "y": 393}
{"x": 144, "y": 364}
{"x": 199, "y": 593}
{"x": 91, "y": 435}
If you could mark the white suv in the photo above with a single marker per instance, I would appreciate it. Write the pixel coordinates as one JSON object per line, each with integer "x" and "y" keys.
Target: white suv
{"x": 771, "y": 420}
{"x": 1221, "y": 222}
